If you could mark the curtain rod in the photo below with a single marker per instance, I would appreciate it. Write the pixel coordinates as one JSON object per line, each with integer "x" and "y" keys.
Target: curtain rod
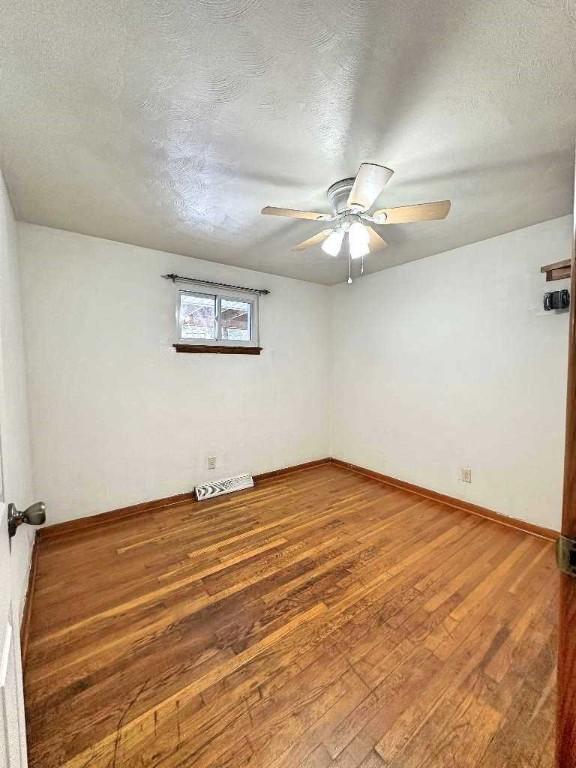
{"x": 180, "y": 279}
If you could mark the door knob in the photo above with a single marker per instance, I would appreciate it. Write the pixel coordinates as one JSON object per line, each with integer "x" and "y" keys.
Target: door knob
{"x": 34, "y": 515}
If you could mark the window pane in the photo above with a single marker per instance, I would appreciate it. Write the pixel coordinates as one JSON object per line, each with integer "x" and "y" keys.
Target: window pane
{"x": 197, "y": 317}
{"x": 235, "y": 320}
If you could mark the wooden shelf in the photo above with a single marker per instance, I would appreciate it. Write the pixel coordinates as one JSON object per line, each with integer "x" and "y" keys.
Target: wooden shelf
{"x": 560, "y": 270}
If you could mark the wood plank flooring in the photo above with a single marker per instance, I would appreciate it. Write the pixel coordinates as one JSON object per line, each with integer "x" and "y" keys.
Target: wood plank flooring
{"x": 321, "y": 619}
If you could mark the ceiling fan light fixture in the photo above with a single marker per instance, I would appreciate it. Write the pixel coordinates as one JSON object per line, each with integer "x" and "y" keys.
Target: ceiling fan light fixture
{"x": 359, "y": 240}
{"x": 352, "y": 217}
{"x": 333, "y": 243}
{"x": 357, "y": 251}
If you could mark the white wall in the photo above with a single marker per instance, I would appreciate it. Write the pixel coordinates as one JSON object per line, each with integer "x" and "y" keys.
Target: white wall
{"x": 437, "y": 364}
{"x": 13, "y": 401}
{"x": 119, "y": 417}
{"x": 451, "y": 362}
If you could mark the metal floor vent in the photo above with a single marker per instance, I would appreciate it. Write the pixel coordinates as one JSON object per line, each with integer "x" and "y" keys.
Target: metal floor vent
{"x": 208, "y": 490}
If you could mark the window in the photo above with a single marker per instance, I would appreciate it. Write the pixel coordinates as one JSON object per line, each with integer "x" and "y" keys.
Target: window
{"x": 219, "y": 319}
{"x": 235, "y": 320}
{"x": 197, "y": 316}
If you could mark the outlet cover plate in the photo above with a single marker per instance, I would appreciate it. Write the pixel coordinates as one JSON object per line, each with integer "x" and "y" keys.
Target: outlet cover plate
{"x": 465, "y": 474}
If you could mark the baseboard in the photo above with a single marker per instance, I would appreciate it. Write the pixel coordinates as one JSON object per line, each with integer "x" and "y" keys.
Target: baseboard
{"x": 450, "y": 501}
{"x": 25, "y": 625}
{"x": 83, "y": 524}
{"x": 290, "y": 470}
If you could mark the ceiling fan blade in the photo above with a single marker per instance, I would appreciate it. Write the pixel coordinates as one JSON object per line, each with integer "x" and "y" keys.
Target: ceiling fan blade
{"x": 376, "y": 243}
{"x": 406, "y": 214}
{"x": 293, "y": 214}
{"x": 314, "y": 240}
{"x": 370, "y": 181}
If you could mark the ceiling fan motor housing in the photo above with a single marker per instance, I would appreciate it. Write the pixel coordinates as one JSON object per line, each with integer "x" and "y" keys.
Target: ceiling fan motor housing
{"x": 338, "y": 195}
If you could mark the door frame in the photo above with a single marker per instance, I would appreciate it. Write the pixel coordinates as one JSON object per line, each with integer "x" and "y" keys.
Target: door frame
{"x": 566, "y": 712}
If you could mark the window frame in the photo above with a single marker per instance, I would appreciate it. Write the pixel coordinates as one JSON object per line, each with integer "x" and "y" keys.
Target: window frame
{"x": 219, "y": 295}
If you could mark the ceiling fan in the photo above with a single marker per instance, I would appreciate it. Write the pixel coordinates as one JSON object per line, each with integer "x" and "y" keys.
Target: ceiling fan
{"x": 351, "y": 199}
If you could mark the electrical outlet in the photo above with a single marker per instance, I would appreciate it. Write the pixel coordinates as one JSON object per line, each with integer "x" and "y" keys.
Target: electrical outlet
{"x": 465, "y": 474}
{"x": 211, "y": 462}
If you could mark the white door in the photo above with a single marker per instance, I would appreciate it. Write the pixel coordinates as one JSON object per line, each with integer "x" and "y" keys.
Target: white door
{"x": 12, "y": 723}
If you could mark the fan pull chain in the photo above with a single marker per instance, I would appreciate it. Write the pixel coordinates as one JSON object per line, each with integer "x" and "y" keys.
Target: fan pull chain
{"x": 349, "y": 267}
{"x": 362, "y": 265}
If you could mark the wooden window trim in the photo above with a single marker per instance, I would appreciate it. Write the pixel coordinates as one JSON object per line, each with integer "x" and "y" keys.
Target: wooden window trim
{"x": 217, "y": 349}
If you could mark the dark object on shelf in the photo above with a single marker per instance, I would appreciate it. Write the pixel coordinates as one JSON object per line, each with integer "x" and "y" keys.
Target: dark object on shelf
{"x": 557, "y": 300}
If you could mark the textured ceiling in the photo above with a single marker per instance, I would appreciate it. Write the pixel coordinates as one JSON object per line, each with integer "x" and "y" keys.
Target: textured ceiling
{"x": 170, "y": 123}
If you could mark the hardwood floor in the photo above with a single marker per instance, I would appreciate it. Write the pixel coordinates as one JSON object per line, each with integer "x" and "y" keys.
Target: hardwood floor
{"x": 321, "y": 619}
